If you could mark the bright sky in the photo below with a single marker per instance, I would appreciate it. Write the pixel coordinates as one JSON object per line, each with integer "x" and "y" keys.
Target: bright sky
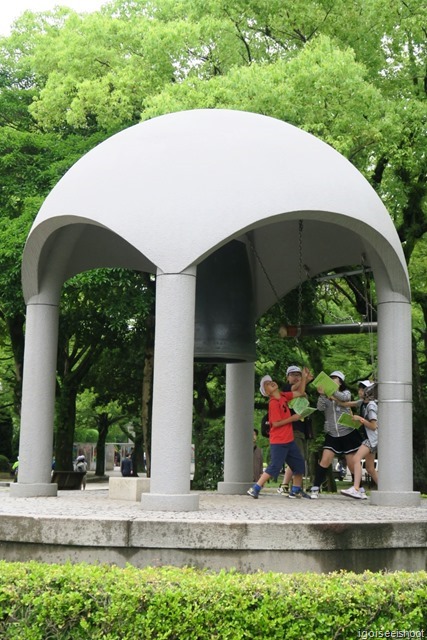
{"x": 12, "y": 9}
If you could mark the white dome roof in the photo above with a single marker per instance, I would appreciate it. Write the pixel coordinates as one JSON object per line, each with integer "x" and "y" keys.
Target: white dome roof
{"x": 165, "y": 193}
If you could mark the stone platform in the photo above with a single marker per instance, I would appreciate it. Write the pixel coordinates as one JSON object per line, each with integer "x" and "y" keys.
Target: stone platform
{"x": 272, "y": 533}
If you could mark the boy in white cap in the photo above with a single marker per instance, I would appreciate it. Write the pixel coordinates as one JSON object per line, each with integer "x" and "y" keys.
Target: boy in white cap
{"x": 302, "y": 428}
{"x": 282, "y": 444}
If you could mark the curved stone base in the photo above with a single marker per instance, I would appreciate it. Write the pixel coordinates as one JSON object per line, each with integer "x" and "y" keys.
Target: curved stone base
{"x": 227, "y": 532}
{"x": 233, "y": 488}
{"x": 172, "y": 502}
{"x": 20, "y": 490}
{"x": 395, "y": 498}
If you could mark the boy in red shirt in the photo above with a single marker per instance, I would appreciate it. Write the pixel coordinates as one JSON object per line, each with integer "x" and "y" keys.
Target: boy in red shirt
{"x": 282, "y": 445}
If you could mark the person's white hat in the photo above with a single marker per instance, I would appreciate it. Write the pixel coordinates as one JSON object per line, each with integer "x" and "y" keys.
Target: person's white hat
{"x": 293, "y": 369}
{"x": 365, "y": 383}
{"x": 261, "y": 384}
{"x": 370, "y": 392}
{"x": 337, "y": 374}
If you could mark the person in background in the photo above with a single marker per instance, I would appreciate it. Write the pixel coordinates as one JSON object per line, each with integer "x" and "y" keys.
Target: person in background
{"x": 126, "y": 466}
{"x": 302, "y": 428}
{"x": 339, "y": 439}
{"x": 15, "y": 468}
{"x": 282, "y": 444}
{"x": 258, "y": 466}
{"x": 341, "y": 468}
{"x": 80, "y": 465}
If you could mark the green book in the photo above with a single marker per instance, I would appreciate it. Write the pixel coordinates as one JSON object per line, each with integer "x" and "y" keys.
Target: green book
{"x": 300, "y": 406}
{"x": 306, "y": 412}
{"x": 326, "y": 383}
{"x": 346, "y": 419}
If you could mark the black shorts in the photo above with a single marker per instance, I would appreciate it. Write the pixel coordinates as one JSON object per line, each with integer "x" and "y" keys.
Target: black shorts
{"x": 345, "y": 444}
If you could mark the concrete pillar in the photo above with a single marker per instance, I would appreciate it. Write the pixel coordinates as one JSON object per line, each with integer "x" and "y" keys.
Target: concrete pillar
{"x": 172, "y": 395}
{"x": 38, "y": 402}
{"x": 239, "y": 424}
{"x": 395, "y": 455}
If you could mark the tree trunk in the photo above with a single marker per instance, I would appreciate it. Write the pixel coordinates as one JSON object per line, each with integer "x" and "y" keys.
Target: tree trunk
{"x": 200, "y": 423}
{"x": 6, "y": 433}
{"x": 419, "y": 426}
{"x": 66, "y": 416}
{"x": 103, "y": 426}
{"x": 15, "y": 328}
{"x": 147, "y": 390}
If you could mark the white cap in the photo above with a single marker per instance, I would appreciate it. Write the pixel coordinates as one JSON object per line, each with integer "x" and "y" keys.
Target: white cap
{"x": 261, "y": 384}
{"x": 337, "y": 374}
{"x": 293, "y": 369}
{"x": 365, "y": 383}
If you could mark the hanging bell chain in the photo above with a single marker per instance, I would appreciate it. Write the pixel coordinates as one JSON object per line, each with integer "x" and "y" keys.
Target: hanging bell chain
{"x": 300, "y": 266}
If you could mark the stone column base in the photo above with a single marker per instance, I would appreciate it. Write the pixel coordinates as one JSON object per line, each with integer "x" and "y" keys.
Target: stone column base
{"x": 396, "y": 498}
{"x": 172, "y": 502}
{"x": 233, "y": 488}
{"x": 20, "y": 490}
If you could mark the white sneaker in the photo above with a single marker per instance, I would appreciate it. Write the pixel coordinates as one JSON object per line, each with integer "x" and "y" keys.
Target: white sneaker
{"x": 284, "y": 488}
{"x": 314, "y": 492}
{"x": 352, "y": 493}
{"x": 363, "y": 493}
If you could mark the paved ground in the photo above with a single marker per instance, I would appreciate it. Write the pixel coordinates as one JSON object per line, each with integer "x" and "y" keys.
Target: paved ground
{"x": 270, "y": 506}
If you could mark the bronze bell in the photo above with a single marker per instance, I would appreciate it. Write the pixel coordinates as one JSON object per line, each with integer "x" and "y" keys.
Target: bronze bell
{"x": 225, "y": 314}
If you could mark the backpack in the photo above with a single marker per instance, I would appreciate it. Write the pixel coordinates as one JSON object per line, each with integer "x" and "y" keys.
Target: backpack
{"x": 81, "y": 466}
{"x": 265, "y": 426}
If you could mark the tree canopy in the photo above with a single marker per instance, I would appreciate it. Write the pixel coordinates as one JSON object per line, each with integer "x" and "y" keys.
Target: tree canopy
{"x": 351, "y": 72}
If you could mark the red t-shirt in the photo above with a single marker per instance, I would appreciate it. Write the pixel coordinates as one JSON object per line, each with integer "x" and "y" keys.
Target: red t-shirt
{"x": 278, "y": 410}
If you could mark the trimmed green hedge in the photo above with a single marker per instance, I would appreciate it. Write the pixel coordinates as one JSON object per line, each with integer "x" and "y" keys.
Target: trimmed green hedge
{"x": 44, "y": 602}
